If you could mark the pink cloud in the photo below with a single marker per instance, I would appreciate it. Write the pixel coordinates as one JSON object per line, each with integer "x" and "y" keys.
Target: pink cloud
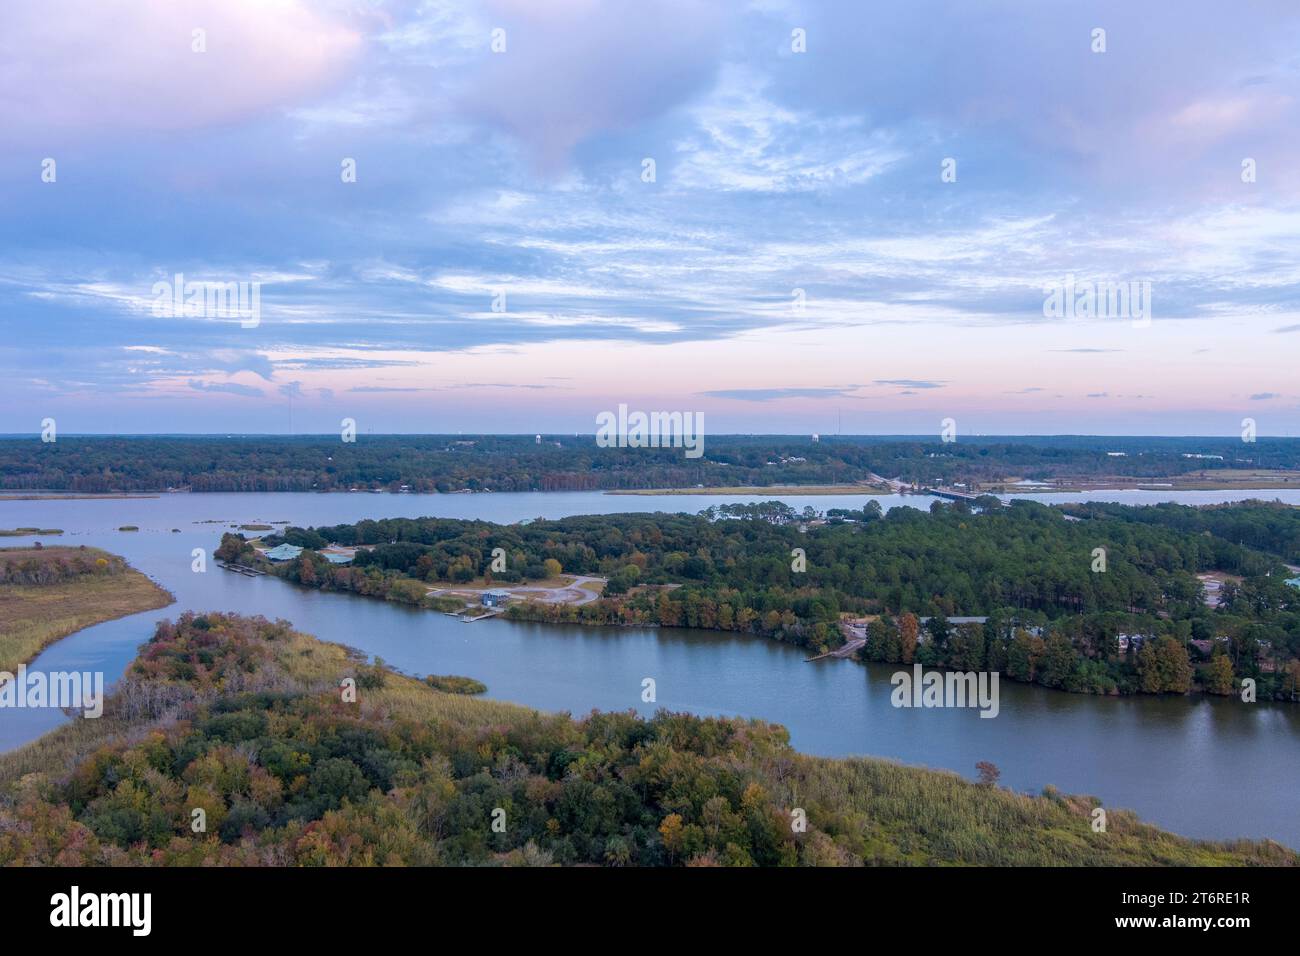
{"x": 69, "y": 65}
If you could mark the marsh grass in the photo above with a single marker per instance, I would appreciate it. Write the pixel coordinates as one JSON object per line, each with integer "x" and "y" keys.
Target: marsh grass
{"x": 34, "y": 616}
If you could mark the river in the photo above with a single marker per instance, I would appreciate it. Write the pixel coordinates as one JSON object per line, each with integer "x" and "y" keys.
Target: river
{"x": 1214, "y": 768}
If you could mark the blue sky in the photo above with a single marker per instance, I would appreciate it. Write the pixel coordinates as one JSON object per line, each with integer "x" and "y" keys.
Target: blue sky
{"x": 516, "y": 177}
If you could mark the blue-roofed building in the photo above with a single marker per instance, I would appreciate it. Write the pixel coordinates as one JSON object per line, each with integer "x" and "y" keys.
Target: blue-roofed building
{"x": 283, "y": 552}
{"x": 495, "y": 598}
{"x": 1294, "y": 582}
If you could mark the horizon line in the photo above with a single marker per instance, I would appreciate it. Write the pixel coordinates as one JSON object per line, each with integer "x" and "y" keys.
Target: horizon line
{"x": 562, "y": 434}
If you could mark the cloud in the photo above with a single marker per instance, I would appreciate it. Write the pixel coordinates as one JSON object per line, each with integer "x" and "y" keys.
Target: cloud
{"x": 775, "y": 394}
{"x": 575, "y": 67}
{"x": 384, "y": 388}
{"x": 1019, "y": 88}
{"x": 83, "y": 65}
{"x": 235, "y": 360}
{"x": 746, "y": 143}
{"x": 909, "y": 383}
{"x": 1264, "y": 396}
{"x": 230, "y": 388}
{"x": 504, "y": 385}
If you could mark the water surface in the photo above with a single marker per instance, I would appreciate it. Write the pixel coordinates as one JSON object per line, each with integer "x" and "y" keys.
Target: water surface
{"x": 1201, "y": 767}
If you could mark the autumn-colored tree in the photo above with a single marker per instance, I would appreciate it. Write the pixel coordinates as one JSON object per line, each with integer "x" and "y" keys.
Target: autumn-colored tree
{"x": 989, "y": 773}
{"x": 726, "y": 617}
{"x": 231, "y": 547}
{"x": 909, "y": 629}
{"x": 671, "y": 832}
{"x": 1163, "y": 667}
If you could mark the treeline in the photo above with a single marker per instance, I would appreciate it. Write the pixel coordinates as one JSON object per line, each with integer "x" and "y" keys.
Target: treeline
{"x": 440, "y": 463}
{"x": 1084, "y": 654}
{"x": 1270, "y": 526}
{"x": 41, "y": 565}
{"x": 231, "y": 742}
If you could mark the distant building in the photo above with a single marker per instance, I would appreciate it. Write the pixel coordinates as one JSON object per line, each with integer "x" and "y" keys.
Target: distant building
{"x": 1131, "y": 640}
{"x": 283, "y": 552}
{"x": 495, "y": 598}
{"x": 1294, "y": 582}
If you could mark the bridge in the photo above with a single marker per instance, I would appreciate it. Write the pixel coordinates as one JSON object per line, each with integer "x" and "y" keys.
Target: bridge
{"x": 951, "y": 495}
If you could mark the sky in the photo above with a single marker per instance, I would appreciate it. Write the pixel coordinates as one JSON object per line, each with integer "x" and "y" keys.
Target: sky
{"x": 510, "y": 216}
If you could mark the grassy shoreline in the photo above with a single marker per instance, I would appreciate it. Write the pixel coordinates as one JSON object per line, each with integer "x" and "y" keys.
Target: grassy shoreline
{"x": 34, "y": 616}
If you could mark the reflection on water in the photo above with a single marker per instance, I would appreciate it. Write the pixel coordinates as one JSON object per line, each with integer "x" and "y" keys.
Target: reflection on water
{"x": 1202, "y": 767}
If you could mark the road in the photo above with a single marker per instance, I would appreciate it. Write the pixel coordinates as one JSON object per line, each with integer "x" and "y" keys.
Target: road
{"x": 574, "y": 593}
{"x": 856, "y": 638}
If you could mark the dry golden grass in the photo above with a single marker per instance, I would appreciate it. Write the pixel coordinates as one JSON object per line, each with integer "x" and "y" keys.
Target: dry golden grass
{"x": 58, "y": 751}
{"x": 33, "y": 616}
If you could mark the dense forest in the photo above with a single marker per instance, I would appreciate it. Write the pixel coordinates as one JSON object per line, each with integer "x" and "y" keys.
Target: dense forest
{"x": 429, "y": 463}
{"x": 236, "y": 741}
{"x": 1268, "y": 526}
{"x": 1139, "y": 625}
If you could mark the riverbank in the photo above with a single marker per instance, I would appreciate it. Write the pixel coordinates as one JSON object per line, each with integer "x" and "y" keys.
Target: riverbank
{"x": 34, "y": 616}
{"x": 789, "y": 490}
{"x": 65, "y": 496}
{"x": 758, "y": 801}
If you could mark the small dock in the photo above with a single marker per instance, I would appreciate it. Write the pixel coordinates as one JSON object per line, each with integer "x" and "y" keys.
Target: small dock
{"x": 467, "y": 619}
{"x": 242, "y": 569}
